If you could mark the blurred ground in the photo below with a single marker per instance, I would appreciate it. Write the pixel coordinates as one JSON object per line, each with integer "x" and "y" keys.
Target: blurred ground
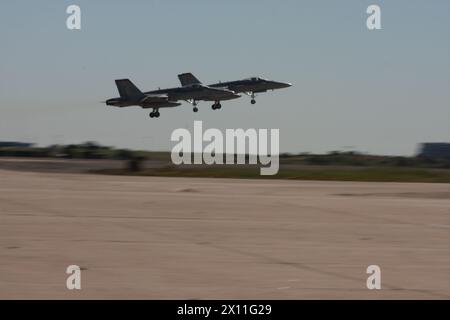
{"x": 157, "y": 237}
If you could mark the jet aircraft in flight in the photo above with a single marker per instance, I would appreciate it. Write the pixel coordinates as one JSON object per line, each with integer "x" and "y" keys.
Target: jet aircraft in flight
{"x": 192, "y": 91}
{"x": 249, "y": 86}
{"x": 130, "y": 95}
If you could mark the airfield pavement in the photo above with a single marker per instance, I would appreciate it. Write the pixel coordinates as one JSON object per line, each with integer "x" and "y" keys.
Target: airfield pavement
{"x": 195, "y": 238}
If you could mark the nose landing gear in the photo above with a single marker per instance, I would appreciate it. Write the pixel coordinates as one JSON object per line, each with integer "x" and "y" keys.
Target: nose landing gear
{"x": 194, "y": 103}
{"x": 253, "y": 101}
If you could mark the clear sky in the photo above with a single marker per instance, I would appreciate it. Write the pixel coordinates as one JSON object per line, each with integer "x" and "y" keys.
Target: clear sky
{"x": 379, "y": 91}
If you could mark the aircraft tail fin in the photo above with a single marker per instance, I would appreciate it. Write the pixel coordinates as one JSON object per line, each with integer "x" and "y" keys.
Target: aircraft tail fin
{"x": 127, "y": 89}
{"x": 187, "y": 79}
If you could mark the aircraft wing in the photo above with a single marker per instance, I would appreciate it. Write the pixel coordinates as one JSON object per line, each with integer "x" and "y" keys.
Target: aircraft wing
{"x": 217, "y": 90}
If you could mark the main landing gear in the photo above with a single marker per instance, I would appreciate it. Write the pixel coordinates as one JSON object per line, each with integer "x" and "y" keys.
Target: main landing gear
{"x": 154, "y": 114}
{"x": 216, "y": 105}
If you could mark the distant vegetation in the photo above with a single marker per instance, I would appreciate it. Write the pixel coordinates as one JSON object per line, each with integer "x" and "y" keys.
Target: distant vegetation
{"x": 359, "y": 159}
{"x": 336, "y": 165}
{"x": 92, "y": 150}
{"x": 88, "y": 150}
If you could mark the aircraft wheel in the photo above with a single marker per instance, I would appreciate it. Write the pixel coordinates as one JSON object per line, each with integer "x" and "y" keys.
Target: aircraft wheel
{"x": 253, "y": 101}
{"x": 219, "y": 106}
{"x": 157, "y": 114}
{"x": 151, "y": 114}
{"x": 195, "y": 109}
{"x": 214, "y": 107}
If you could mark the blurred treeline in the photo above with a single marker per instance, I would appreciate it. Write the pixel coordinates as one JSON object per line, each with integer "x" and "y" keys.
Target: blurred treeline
{"x": 92, "y": 150}
{"x": 352, "y": 158}
{"x": 87, "y": 150}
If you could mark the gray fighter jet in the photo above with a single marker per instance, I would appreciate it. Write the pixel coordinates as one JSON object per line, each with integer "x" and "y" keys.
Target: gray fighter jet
{"x": 193, "y": 92}
{"x": 130, "y": 95}
{"x": 249, "y": 86}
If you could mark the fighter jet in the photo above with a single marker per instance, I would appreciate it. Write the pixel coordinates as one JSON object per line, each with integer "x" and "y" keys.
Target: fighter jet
{"x": 130, "y": 95}
{"x": 249, "y": 86}
{"x": 192, "y": 91}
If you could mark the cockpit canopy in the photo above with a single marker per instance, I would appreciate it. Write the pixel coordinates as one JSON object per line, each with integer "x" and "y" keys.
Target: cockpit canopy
{"x": 256, "y": 79}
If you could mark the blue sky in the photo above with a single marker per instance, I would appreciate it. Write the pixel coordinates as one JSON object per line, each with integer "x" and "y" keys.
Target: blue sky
{"x": 378, "y": 91}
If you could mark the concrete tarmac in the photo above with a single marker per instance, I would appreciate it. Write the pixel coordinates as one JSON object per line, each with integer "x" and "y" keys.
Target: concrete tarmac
{"x": 183, "y": 238}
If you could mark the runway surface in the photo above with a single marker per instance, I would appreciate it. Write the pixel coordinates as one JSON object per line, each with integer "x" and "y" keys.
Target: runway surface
{"x": 181, "y": 238}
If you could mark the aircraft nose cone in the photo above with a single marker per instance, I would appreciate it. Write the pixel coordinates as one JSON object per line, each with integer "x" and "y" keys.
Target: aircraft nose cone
{"x": 281, "y": 85}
